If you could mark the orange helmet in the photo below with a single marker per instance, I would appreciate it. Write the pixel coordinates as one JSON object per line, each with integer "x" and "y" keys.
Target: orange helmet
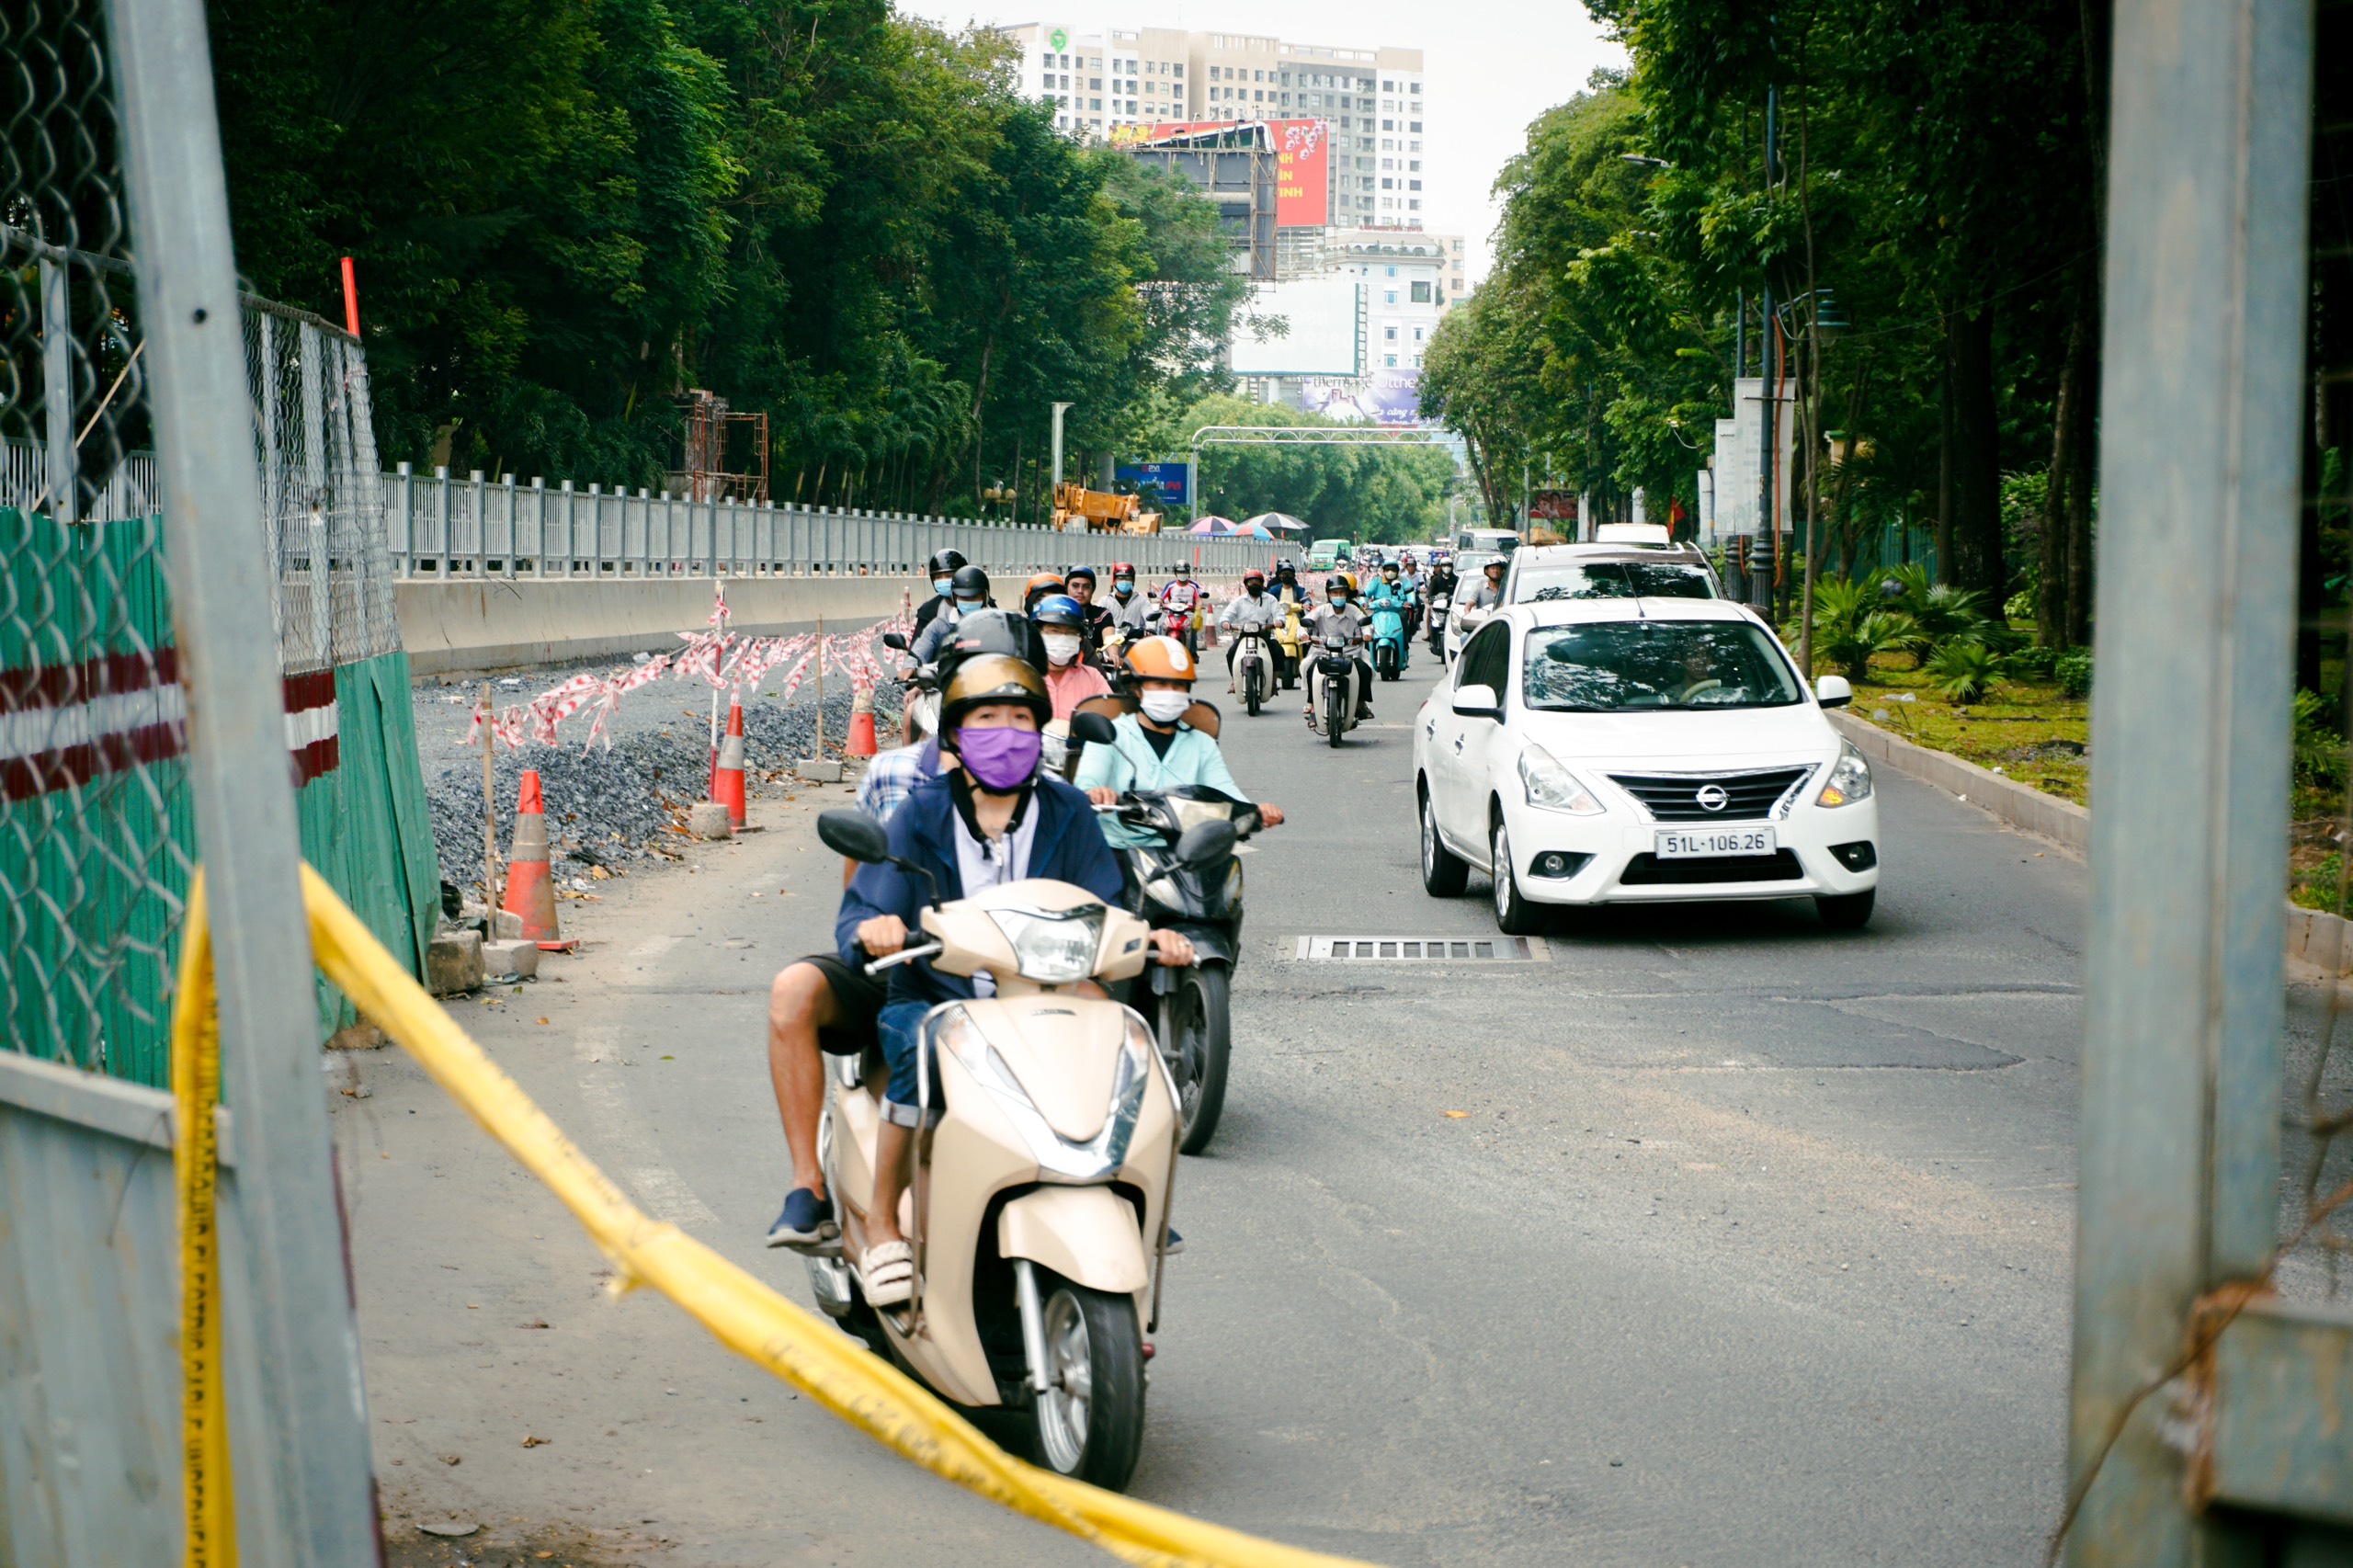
{"x": 1041, "y": 584}
{"x": 1163, "y": 658}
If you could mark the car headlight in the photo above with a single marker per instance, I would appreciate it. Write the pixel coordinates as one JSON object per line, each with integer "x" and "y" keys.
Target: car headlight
{"x": 1052, "y": 949}
{"x": 1553, "y": 787}
{"x": 1849, "y": 780}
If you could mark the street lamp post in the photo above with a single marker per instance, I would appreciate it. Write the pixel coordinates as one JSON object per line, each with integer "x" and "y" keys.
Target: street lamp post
{"x": 1055, "y": 497}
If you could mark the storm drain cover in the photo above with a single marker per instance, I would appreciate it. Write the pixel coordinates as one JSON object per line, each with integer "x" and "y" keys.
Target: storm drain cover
{"x": 1421, "y": 949}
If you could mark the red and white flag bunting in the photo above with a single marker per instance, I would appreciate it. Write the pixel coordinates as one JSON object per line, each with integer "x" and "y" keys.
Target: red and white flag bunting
{"x": 719, "y": 658}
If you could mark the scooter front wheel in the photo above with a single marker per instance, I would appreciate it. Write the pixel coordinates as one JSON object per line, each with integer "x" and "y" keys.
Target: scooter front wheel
{"x": 1200, "y": 1043}
{"x": 1090, "y": 1419}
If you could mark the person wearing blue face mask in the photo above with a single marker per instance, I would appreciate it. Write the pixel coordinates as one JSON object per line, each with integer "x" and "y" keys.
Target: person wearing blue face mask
{"x": 992, "y": 819}
{"x": 942, "y": 567}
{"x": 967, "y": 594}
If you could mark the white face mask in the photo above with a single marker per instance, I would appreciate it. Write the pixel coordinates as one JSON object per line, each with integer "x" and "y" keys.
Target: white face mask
{"x": 1062, "y": 650}
{"x": 1164, "y": 707}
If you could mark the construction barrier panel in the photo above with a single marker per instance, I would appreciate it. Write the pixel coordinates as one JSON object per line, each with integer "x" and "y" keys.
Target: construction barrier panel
{"x": 744, "y": 1315}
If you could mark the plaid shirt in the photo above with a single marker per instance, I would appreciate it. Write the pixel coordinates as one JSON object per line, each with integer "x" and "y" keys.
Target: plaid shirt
{"x": 892, "y": 776}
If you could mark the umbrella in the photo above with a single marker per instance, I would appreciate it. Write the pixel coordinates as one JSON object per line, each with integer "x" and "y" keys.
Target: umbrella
{"x": 1212, "y": 525}
{"x": 1281, "y": 522}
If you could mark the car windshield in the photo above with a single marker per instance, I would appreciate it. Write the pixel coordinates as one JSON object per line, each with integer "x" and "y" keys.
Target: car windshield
{"x": 1615, "y": 580}
{"x": 1620, "y": 665}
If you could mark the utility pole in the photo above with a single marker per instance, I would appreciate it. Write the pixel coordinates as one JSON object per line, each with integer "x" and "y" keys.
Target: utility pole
{"x": 1761, "y": 583}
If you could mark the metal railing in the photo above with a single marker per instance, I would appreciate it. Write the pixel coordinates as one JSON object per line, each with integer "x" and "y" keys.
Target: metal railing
{"x": 440, "y": 526}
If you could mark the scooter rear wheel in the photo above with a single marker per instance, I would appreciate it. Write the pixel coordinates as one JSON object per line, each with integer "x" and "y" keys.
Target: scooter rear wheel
{"x": 1251, "y": 681}
{"x": 1090, "y": 1419}
{"x": 1335, "y": 710}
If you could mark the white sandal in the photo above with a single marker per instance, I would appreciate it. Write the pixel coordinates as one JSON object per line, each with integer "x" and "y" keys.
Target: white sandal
{"x": 886, "y": 1274}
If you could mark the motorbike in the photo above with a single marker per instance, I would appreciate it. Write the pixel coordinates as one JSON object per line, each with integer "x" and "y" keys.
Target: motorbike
{"x": 1043, "y": 1164}
{"x": 1332, "y": 697}
{"x": 1290, "y": 639}
{"x": 1254, "y": 669}
{"x": 1388, "y": 640}
{"x": 1438, "y": 605}
{"x": 1201, "y": 898}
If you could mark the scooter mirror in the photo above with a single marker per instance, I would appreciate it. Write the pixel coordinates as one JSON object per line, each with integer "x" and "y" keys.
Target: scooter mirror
{"x": 1094, "y": 729}
{"x": 854, "y": 835}
{"x": 895, "y": 640}
{"x": 1206, "y": 842}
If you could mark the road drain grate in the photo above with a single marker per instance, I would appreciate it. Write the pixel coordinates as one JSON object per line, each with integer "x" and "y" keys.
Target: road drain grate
{"x": 1421, "y": 949}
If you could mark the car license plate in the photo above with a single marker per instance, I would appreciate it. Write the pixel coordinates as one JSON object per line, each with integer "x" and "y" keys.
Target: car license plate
{"x": 1684, "y": 843}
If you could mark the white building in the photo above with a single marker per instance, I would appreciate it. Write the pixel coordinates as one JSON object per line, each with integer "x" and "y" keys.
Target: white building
{"x": 1371, "y": 98}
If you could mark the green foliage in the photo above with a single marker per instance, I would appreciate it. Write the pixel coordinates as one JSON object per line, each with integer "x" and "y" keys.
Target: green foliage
{"x": 1851, "y": 627}
{"x": 820, "y": 209}
{"x": 2072, "y": 670}
{"x": 2319, "y": 744}
{"x": 1964, "y": 671}
{"x": 1381, "y": 494}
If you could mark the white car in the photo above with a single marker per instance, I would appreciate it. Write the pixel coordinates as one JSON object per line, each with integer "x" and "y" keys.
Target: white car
{"x": 1541, "y": 572}
{"x": 1640, "y": 750}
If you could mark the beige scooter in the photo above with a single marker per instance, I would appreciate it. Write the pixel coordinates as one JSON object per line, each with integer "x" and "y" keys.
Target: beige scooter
{"x": 1038, "y": 1211}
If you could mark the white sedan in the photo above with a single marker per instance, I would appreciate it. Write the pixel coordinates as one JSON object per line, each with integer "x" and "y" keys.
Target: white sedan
{"x": 1645, "y": 750}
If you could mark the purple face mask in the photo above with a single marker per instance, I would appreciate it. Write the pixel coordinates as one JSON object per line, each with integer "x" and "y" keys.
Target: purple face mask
{"x": 1003, "y": 760}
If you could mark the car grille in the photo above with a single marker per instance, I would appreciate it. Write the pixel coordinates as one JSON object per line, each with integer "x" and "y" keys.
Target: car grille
{"x": 1675, "y": 797}
{"x": 1649, "y": 871}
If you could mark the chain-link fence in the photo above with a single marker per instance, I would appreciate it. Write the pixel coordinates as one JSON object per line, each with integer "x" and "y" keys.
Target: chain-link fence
{"x": 95, "y": 854}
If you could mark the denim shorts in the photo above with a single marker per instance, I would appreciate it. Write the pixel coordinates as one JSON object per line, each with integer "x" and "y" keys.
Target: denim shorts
{"x": 897, "y": 1027}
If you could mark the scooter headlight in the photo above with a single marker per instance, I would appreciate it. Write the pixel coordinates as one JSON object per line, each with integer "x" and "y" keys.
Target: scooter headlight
{"x": 1052, "y": 949}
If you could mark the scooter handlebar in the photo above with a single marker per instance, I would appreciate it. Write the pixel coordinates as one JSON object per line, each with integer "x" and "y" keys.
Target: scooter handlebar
{"x": 904, "y": 955}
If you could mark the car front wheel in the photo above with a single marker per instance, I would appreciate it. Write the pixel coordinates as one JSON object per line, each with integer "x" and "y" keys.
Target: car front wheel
{"x": 1846, "y": 912}
{"x": 1515, "y": 916}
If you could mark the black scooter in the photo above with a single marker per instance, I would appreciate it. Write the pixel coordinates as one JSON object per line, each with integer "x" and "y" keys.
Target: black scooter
{"x": 1192, "y": 1008}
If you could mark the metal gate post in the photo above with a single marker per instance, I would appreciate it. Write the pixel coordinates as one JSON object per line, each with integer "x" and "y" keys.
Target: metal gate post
{"x": 2199, "y": 464}
{"x": 310, "y": 1466}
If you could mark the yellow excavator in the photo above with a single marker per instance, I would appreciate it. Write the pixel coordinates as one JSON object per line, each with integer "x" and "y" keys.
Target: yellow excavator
{"x": 1080, "y": 510}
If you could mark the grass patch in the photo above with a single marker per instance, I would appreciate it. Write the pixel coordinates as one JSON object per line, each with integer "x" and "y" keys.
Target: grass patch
{"x": 2026, "y": 731}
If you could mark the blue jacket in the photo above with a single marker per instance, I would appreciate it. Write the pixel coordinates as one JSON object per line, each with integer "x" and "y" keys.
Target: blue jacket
{"x": 1068, "y": 848}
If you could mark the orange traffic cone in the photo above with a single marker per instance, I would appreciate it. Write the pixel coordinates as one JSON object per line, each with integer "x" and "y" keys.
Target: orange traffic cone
{"x": 530, "y": 885}
{"x": 861, "y": 725}
{"x": 727, "y": 779}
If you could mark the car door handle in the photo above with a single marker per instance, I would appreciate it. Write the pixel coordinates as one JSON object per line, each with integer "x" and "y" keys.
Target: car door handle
{"x": 1457, "y": 745}
{"x": 1430, "y": 728}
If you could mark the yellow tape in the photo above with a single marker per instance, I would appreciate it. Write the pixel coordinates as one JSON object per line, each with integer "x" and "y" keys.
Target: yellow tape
{"x": 743, "y": 1313}
{"x": 206, "y": 1488}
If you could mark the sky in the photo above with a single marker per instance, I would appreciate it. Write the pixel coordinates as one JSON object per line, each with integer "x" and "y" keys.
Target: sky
{"x": 1490, "y": 67}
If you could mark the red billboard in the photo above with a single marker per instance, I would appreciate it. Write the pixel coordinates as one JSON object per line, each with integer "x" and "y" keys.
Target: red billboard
{"x": 1302, "y": 161}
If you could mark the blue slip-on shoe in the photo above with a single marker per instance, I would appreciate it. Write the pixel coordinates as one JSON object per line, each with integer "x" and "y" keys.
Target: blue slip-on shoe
{"x": 806, "y": 1221}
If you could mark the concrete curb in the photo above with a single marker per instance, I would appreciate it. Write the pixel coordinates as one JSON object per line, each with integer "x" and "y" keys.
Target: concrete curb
{"x": 2313, "y": 937}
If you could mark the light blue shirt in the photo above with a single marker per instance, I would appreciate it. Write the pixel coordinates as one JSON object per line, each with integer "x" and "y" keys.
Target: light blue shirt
{"x": 1129, "y": 763}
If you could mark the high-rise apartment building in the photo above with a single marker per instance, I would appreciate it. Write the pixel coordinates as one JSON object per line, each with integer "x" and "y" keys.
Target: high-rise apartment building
{"x": 1370, "y": 98}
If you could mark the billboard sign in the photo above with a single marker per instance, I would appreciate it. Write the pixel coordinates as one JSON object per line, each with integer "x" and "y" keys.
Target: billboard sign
{"x": 1302, "y": 172}
{"x": 1302, "y": 159}
{"x": 1165, "y": 481}
{"x": 1383, "y": 397}
{"x": 1307, "y": 326}
{"x": 1554, "y": 505}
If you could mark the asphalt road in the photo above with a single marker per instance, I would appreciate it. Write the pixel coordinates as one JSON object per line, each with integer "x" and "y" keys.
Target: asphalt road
{"x": 1752, "y": 1247}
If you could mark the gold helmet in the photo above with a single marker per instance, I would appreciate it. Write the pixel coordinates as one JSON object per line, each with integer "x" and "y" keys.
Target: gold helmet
{"x": 980, "y": 679}
{"x": 1163, "y": 658}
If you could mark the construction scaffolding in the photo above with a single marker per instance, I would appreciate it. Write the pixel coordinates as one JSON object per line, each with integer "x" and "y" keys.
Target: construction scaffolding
{"x": 705, "y": 442}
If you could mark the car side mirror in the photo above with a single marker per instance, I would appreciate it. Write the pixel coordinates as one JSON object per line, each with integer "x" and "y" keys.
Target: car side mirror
{"x": 895, "y": 640}
{"x": 1832, "y": 692}
{"x": 1094, "y": 729}
{"x": 1478, "y": 702}
{"x": 1206, "y": 842}
{"x": 854, "y": 835}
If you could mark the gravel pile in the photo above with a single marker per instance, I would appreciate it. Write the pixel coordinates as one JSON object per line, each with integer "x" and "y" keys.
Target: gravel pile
{"x": 609, "y": 808}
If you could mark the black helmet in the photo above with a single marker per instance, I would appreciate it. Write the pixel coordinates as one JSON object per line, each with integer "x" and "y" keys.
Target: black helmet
{"x": 1337, "y": 582}
{"x": 944, "y": 562}
{"x": 969, "y": 582}
{"x": 1075, "y": 572}
{"x": 991, "y": 631}
{"x": 980, "y": 679}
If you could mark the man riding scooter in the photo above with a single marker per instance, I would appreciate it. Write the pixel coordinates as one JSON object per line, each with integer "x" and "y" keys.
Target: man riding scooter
{"x": 991, "y": 820}
{"x": 1252, "y": 616}
{"x": 1156, "y": 749}
{"x": 942, "y": 569}
{"x": 1093, "y": 616}
{"x": 969, "y": 589}
{"x": 1339, "y": 616}
{"x": 1130, "y": 611}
